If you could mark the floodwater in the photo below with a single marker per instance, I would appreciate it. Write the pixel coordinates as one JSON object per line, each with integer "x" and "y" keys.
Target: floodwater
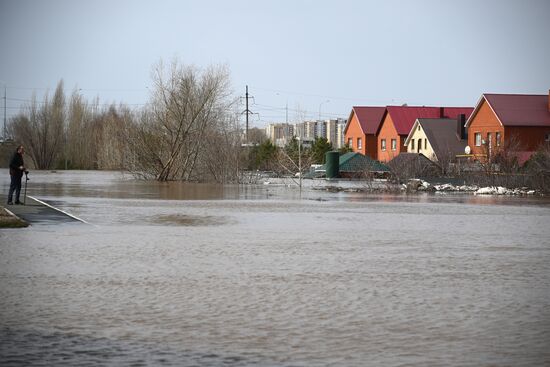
{"x": 206, "y": 275}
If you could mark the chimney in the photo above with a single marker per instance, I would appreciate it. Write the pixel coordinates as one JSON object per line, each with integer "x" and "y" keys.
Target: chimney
{"x": 441, "y": 112}
{"x": 460, "y": 128}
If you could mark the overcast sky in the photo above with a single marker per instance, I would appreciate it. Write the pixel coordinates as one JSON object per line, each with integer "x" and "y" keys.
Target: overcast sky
{"x": 314, "y": 56}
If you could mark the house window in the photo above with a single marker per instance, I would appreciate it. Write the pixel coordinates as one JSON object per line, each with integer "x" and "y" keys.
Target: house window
{"x": 350, "y": 143}
{"x": 393, "y": 144}
{"x": 547, "y": 137}
{"x": 497, "y": 138}
{"x": 359, "y": 143}
{"x": 412, "y": 145}
{"x": 425, "y": 143}
{"x": 477, "y": 139}
{"x": 383, "y": 144}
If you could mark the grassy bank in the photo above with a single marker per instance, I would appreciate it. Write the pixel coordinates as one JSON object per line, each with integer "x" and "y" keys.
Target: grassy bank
{"x": 7, "y": 220}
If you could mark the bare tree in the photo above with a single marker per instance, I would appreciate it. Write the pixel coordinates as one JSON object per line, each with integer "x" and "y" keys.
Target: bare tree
{"x": 218, "y": 159}
{"x": 41, "y": 128}
{"x": 111, "y": 145}
{"x": 79, "y": 148}
{"x": 170, "y": 135}
{"x": 256, "y": 136}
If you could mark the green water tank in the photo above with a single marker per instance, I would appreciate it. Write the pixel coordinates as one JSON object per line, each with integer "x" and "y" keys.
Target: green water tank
{"x": 332, "y": 164}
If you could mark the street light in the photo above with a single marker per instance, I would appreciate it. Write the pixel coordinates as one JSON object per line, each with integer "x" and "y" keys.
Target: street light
{"x": 320, "y": 104}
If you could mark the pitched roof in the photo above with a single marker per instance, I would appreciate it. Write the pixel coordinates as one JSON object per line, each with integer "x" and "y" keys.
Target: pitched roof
{"x": 403, "y": 117}
{"x": 351, "y": 162}
{"x": 357, "y": 162}
{"x": 517, "y": 109}
{"x": 369, "y": 118}
{"x": 443, "y": 137}
{"x": 414, "y": 164}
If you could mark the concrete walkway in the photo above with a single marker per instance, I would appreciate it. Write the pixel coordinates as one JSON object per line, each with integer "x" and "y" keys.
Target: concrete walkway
{"x": 36, "y": 211}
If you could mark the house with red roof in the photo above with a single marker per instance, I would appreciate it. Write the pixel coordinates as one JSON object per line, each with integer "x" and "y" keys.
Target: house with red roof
{"x": 500, "y": 120}
{"x": 360, "y": 131}
{"x": 398, "y": 121}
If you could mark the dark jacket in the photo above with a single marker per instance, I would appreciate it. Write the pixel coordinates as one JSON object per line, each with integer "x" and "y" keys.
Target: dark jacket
{"x": 15, "y": 163}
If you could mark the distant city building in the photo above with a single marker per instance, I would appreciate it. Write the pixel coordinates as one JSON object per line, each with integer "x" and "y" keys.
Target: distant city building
{"x": 309, "y": 129}
{"x": 320, "y": 129}
{"x": 299, "y": 130}
{"x": 280, "y": 134}
{"x": 335, "y": 132}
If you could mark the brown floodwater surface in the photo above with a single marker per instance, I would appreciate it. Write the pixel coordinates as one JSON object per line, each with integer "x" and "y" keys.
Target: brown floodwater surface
{"x": 211, "y": 275}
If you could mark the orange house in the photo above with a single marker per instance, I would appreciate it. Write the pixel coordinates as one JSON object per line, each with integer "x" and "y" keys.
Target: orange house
{"x": 521, "y": 120}
{"x": 360, "y": 131}
{"x": 398, "y": 121}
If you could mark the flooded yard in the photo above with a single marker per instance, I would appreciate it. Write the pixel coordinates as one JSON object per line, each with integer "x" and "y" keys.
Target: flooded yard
{"x": 208, "y": 275}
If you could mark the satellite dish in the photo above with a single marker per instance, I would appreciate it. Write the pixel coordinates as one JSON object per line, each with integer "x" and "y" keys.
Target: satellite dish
{"x": 467, "y": 150}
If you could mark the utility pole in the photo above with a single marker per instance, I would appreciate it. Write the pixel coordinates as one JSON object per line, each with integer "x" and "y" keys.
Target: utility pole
{"x": 247, "y": 112}
{"x": 5, "y": 107}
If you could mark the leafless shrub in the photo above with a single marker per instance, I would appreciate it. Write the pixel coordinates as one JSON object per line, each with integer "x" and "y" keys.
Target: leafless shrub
{"x": 41, "y": 128}
{"x": 412, "y": 165}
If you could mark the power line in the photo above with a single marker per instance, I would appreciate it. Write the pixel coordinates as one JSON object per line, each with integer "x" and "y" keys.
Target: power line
{"x": 324, "y": 96}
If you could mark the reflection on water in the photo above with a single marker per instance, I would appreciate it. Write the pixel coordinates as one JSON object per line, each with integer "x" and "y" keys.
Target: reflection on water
{"x": 333, "y": 279}
{"x": 115, "y": 185}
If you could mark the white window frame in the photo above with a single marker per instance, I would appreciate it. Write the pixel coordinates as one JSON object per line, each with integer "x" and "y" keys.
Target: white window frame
{"x": 394, "y": 145}
{"x": 350, "y": 143}
{"x": 477, "y": 139}
{"x": 383, "y": 144}
{"x": 359, "y": 143}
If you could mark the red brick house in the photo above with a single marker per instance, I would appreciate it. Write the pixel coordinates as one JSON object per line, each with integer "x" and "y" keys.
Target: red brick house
{"x": 398, "y": 121}
{"x": 522, "y": 120}
{"x": 360, "y": 131}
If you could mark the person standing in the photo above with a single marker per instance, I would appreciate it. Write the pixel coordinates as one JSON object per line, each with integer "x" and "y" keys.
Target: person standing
{"x": 17, "y": 168}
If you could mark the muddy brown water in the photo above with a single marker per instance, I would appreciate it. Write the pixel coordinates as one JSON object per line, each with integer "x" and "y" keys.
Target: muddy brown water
{"x": 209, "y": 275}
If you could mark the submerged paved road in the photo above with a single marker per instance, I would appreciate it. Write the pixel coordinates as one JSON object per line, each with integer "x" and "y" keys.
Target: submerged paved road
{"x": 36, "y": 211}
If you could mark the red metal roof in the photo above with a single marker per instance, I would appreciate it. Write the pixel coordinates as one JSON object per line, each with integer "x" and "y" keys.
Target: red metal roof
{"x": 520, "y": 109}
{"x": 403, "y": 117}
{"x": 369, "y": 118}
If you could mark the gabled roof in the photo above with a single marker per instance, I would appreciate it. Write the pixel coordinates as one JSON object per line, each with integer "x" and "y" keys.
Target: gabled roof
{"x": 414, "y": 164}
{"x": 369, "y": 118}
{"x": 357, "y": 162}
{"x": 352, "y": 162}
{"x": 403, "y": 117}
{"x": 442, "y": 135}
{"x": 517, "y": 109}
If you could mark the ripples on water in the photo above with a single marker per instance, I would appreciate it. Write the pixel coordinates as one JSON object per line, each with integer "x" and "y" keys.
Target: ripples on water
{"x": 23, "y": 348}
{"x": 347, "y": 280}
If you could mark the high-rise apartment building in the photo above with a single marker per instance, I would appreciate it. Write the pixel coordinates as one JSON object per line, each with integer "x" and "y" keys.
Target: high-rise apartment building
{"x": 280, "y": 134}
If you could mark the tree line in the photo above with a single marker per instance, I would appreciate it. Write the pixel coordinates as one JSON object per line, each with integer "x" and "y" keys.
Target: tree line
{"x": 188, "y": 130}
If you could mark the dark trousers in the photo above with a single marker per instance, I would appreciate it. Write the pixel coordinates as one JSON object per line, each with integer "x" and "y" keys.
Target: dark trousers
{"x": 15, "y": 185}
